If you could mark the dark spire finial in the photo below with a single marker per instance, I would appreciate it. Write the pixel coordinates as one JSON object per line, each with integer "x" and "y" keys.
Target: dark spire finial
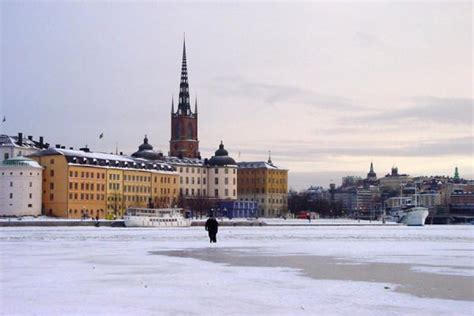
{"x": 172, "y": 104}
{"x": 145, "y": 140}
{"x": 196, "y": 105}
{"x": 371, "y": 166}
{"x": 269, "y": 157}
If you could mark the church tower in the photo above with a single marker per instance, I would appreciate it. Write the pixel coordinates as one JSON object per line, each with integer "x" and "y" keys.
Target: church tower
{"x": 184, "y": 133}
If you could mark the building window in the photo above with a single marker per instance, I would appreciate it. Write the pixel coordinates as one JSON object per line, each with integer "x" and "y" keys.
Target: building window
{"x": 234, "y": 192}
{"x": 226, "y": 180}
{"x": 216, "y": 170}
{"x": 51, "y": 173}
{"x": 216, "y": 180}
{"x": 11, "y": 184}
{"x": 204, "y": 181}
{"x": 6, "y": 156}
{"x": 70, "y": 173}
{"x": 11, "y": 195}
{"x": 30, "y": 205}
{"x": 216, "y": 192}
{"x": 226, "y": 192}
{"x": 31, "y": 184}
{"x": 51, "y": 186}
{"x": 51, "y": 197}
{"x": 187, "y": 191}
{"x": 226, "y": 170}
{"x": 51, "y": 161}
{"x": 233, "y": 181}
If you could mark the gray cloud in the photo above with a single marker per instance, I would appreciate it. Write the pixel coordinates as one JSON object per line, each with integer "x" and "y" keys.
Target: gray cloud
{"x": 297, "y": 151}
{"x": 271, "y": 94}
{"x": 423, "y": 109}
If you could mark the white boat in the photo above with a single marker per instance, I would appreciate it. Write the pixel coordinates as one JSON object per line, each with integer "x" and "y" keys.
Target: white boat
{"x": 155, "y": 217}
{"x": 415, "y": 216}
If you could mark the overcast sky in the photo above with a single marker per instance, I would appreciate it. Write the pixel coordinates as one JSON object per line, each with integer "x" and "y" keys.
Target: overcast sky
{"x": 327, "y": 87}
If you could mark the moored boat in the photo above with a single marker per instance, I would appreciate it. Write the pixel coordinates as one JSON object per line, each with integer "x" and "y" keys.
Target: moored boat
{"x": 155, "y": 217}
{"x": 416, "y": 216}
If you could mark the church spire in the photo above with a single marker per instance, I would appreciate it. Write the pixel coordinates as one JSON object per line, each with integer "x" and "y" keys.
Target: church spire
{"x": 172, "y": 104}
{"x": 371, "y": 167}
{"x": 184, "y": 107}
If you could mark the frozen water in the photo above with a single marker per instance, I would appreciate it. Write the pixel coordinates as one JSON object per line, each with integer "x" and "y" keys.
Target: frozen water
{"x": 118, "y": 271}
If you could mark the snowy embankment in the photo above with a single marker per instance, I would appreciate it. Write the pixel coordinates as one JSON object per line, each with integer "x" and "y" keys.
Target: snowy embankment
{"x": 116, "y": 271}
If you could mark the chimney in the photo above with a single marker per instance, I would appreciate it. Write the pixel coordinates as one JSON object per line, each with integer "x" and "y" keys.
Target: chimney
{"x": 85, "y": 149}
{"x": 20, "y": 139}
{"x": 121, "y": 153}
{"x": 41, "y": 141}
{"x": 58, "y": 146}
{"x": 30, "y": 137}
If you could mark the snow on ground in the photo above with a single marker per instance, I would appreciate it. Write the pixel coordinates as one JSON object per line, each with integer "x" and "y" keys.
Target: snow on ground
{"x": 116, "y": 271}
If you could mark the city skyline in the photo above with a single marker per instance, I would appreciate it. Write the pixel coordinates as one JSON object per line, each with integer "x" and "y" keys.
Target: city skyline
{"x": 327, "y": 88}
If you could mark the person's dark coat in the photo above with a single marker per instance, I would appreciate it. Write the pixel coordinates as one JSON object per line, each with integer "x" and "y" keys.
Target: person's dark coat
{"x": 212, "y": 226}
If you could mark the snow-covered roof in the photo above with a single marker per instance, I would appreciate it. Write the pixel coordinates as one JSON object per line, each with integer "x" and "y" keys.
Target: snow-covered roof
{"x": 12, "y": 141}
{"x": 79, "y": 157}
{"x": 184, "y": 161}
{"x": 257, "y": 165}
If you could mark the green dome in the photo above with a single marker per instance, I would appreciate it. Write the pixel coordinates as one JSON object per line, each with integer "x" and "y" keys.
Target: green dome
{"x": 21, "y": 161}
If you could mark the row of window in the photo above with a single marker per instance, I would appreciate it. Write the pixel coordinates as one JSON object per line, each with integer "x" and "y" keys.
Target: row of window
{"x": 19, "y": 173}
{"x": 260, "y": 191}
{"x": 262, "y": 180}
{"x": 30, "y": 196}
{"x": 83, "y": 185}
{"x": 84, "y": 196}
{"x": 216, "y": 192}
{"x": 272, "y": 201}
{"x": 30, "y": 184}
{"x": 85, "y": 174}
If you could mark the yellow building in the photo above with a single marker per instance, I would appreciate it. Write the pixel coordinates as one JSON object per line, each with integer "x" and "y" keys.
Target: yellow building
{"x": 265, "y": 183}
{"x": 79, "y": 183}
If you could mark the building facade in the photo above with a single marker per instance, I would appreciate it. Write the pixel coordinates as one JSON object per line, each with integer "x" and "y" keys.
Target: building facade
{"x": 394, "y": 181}
{"x": 184, "y": 141}
{"x": 20, "y": 187}
{"x": 80, "y": 183}
{"x": 266, "y": 184}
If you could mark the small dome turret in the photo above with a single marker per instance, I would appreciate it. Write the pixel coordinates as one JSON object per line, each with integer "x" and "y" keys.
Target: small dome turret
{"x": 221, "y": 157}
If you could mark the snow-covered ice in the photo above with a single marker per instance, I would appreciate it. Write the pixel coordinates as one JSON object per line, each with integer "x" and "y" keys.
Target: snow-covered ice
{"x": 123, "y": 271}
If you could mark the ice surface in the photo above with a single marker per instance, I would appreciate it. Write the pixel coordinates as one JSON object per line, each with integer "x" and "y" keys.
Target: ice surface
{"x": 114, "y": 271}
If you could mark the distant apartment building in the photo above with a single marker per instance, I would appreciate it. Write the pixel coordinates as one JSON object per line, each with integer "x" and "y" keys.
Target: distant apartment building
{"x": 394, "y": 181}
{"x": 368, "y": 199}
{"x": 14, "y": 146}
{"x": 264, "y": 183}
{"x": 347, "y": 197}
{"x": 79, "y": 183}
{"x": 20, "y": 187}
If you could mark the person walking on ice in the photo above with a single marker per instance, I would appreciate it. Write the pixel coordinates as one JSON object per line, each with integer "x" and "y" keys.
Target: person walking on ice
{"x": 212, "y": 227}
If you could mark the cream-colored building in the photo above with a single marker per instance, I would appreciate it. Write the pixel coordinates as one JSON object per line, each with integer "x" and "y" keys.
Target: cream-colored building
{"x": 20, "y": 187}
{"x": 214, "y": 178}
